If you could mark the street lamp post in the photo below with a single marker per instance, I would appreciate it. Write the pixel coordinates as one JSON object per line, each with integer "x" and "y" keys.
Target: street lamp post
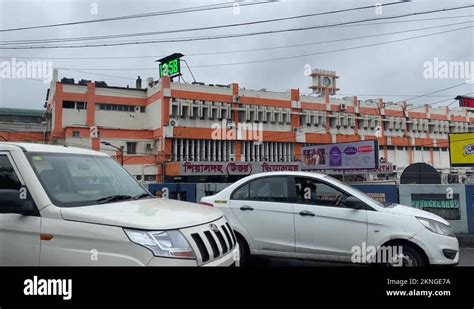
{"x": 118, "y": 148}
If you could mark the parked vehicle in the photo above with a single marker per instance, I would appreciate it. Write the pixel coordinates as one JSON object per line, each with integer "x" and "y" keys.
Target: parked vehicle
{"x": 314, "y": 216}
{"x": 71, "y": 206}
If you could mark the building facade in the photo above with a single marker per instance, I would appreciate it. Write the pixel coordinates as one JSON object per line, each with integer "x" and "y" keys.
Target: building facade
{"x": 173, "y": 131}
{"x": 22, "y": 125}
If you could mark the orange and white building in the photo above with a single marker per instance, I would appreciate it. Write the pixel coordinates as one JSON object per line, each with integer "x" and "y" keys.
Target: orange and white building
{"x": 166, "y": 129}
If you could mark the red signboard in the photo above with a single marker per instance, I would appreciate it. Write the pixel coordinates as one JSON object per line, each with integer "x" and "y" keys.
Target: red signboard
{"x": 466, "y": 102}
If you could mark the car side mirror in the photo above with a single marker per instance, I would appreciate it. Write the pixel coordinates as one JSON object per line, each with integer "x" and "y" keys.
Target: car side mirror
{"x": 354, "y": 203}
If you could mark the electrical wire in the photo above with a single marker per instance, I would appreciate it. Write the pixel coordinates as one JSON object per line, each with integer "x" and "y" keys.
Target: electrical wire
{"x": 255, "y": 49}
{"x": 124, "y": 35}
{"x": 218, "y": 36}
{"x": 143, "y": 15}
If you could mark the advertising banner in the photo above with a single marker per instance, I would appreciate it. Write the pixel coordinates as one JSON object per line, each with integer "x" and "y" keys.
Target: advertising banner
{"x": 461, "y": 149}
{"x": 354, "y": 155}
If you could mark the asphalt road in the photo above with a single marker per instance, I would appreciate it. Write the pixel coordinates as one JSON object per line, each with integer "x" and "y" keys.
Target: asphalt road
{"x": 466, "y": 259}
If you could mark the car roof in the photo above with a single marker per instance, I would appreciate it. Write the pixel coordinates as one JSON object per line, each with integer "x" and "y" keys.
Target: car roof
{"x": 34, "y": 147}
{"x": 288, "y": 173}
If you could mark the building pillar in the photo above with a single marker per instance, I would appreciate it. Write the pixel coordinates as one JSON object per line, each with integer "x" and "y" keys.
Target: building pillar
{"x": 57, "y": 126}
{"x": 90, "y": 97}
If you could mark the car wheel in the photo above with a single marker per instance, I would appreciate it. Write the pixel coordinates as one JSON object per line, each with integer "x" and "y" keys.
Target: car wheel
{"x": 405, "y": 256}
{"x": 244, "y": 250}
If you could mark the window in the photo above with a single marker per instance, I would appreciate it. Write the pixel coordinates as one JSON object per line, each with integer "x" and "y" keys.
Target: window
{"x": 72, "y": 180}
{"x": 120, "y": 108}
{"x": 131, "y": 148}
{"x": 68, "y": 104}
{"x": 142, "y": 109}
{"x": 273, "y": 189}
{"x": 80, "y": 105}
{"x": 10, "y": 187}
{"x": 241, "y": 193}
{"x": 8, "y": 177}
{"x": 313, "y": 192}
{"x": 267, "y": 189}
{"x": 102, "y": 107}
{"x": 76, "y": 134}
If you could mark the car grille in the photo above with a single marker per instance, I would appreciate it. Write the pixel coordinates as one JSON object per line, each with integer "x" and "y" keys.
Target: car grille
{"x": 213, "y": 244}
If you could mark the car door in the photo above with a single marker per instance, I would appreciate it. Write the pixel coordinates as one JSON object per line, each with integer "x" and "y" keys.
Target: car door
{"x": 19, "y": 234}
{"x": 323, "y": 225}
{"x": 264, "y": 210}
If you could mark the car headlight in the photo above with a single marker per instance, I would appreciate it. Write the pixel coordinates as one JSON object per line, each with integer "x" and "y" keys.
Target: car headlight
{"x": 170, "y": 244}
{"x": 436, "y": 227}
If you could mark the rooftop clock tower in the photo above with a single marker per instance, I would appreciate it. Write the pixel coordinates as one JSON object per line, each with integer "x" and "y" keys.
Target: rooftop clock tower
{"x": 324, "y": 82}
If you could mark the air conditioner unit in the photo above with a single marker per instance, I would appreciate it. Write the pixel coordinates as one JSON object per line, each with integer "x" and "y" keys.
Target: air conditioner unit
{"x": 231, "y": 157}
{"x": 342, "y": 106}
{"x": 148, "y": 146}
{"x": 137, "y": 109}
{"x": 173, "y": 122}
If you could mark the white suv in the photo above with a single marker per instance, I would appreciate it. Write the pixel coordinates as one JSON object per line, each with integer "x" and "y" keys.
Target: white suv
{"x": 70, "y": 206}
{"x": 314, "y": 216}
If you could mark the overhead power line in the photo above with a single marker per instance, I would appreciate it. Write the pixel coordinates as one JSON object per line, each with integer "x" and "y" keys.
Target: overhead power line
{"x": 199, "y": 54}
{"x": 114, "y": 36}
{"x": 175, "y": 40}
{"x": 125, "y": 35}
{"x": 201, "y": 8}
{"x": 286, "y": 57}
{"x": 252, "y": 49}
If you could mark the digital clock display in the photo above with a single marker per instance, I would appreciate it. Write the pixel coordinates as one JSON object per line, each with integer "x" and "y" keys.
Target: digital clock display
{"x": 170, "y": 68}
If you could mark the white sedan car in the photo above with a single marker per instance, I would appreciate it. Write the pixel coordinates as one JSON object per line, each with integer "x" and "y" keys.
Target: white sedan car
{"x": 314, "y": 216}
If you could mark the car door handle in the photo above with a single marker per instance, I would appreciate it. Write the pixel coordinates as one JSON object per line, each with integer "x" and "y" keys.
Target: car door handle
{"x": 243, "y": 208}
{"x": 305, "y": 213}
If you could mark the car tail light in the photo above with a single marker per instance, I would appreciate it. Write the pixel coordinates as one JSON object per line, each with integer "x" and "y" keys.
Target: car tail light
{"x": 206, "y": 204}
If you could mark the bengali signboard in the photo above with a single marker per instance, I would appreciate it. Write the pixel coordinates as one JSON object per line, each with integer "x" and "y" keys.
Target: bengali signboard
{"x": 234, "y": 168}
{"x": 461, "y": 149}
{"x": 341, "y": 156}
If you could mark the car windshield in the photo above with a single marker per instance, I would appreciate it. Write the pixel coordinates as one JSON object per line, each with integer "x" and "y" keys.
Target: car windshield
{"x": 346, "y": 187}
{"x": 72, "y": 180}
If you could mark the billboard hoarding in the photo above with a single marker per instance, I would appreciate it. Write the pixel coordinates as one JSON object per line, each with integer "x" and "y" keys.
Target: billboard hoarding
{"x": 341, "y": 156}
{"x": 461, "y": 149}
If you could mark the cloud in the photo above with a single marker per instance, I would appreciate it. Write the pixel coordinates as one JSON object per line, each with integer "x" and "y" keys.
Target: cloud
{"x": 386, "y": 69}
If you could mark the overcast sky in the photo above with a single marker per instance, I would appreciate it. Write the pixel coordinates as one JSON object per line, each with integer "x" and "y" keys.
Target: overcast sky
{"x": 389, "y": 69}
